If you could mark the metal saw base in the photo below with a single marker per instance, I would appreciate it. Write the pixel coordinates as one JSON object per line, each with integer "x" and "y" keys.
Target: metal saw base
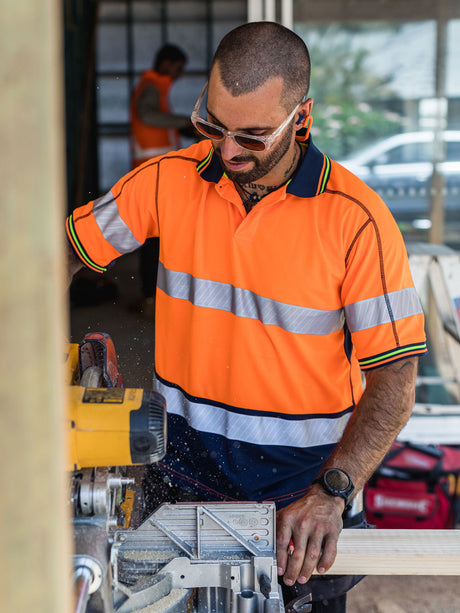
{"x": 204, "y": 557}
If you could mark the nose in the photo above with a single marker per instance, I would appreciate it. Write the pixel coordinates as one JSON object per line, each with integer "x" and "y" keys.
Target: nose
{"x": 229, "y": 149}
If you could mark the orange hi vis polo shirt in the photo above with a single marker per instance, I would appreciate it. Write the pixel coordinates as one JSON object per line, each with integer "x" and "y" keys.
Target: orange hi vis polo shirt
{"x": 263, "y": 320}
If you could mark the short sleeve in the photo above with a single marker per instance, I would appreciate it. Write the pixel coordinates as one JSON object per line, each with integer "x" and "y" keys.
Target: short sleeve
{"x": 382, "y": 309}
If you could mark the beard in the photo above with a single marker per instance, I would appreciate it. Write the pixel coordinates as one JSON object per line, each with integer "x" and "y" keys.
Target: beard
{"x": 262, "y": 164}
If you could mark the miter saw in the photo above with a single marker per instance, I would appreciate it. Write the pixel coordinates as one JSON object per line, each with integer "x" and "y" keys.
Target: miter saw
{"x": 188, "y": 557}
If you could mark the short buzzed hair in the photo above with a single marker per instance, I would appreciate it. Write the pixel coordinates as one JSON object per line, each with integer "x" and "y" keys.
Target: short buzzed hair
{"x": 169, "y": 52}
{"x": 254, "y": 52}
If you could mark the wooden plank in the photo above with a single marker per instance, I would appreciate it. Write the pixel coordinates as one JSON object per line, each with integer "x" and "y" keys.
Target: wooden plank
{"x": 397, "y": 552}
{"x": 35, "y": 546}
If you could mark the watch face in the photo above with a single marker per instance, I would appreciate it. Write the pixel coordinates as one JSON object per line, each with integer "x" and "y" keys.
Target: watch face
{"x": 337, "y": 480}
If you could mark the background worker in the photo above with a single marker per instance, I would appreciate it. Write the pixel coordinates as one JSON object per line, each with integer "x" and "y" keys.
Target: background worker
{"x": 282, "y": 277}
{"x": 156, "y": 129}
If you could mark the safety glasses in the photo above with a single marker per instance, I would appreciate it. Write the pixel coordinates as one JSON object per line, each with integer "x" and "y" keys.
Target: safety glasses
{"x": 246, "y": 141}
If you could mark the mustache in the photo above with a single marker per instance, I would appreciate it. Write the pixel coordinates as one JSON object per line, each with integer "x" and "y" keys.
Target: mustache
{"x": 242, "y": 158}
{"x": 238, "y": 158}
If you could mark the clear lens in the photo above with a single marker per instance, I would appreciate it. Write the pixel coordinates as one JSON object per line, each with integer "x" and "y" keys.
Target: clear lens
{"x": 208, "y": 130}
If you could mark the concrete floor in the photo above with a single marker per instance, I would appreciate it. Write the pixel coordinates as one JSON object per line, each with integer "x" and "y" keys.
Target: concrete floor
{"x": 131, "y": 331}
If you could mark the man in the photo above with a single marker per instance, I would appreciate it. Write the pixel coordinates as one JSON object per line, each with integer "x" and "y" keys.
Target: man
{"x": 281, "y": 278}
{"x": 155, "y": 130}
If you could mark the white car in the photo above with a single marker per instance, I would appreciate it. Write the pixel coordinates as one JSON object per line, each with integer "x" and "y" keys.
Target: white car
{"x": 399, "y": 168}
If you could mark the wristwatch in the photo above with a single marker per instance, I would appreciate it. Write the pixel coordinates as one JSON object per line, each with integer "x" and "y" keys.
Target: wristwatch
{"x": 336, "y": 482}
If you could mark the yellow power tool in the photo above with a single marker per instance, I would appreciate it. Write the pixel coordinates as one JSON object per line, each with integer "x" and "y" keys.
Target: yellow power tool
{"x": 183, "y": 557}
{"x": 109, "y": 425}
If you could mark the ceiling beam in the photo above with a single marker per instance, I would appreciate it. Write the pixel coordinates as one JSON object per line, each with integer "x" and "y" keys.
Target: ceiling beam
{"x": 343, "y": 11}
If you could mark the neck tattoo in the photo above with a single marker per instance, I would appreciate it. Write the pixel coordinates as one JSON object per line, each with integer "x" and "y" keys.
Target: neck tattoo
{"x": 252, "y": 193}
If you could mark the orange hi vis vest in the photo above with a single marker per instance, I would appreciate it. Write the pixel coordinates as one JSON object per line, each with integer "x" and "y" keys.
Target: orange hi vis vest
{"x": 264, "y": 320}
{"x": 148, "y": 141}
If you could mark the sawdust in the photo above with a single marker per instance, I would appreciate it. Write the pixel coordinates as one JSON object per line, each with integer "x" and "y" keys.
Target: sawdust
{"x": 164, "y": 604}
{"x": 140, "y": 555}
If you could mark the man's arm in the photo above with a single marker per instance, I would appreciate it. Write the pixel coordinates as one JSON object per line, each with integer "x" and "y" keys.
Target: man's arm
{"x": 147, "y": 108}
{"x": 314, "y": 522}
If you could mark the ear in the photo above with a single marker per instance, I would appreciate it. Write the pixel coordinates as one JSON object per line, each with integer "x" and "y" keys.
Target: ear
{"x": 305, "y": 120}
{"x": 306, "y": 107}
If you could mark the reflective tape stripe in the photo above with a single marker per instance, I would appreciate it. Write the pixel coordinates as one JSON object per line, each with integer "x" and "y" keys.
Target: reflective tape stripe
{"x": 113, "y": 228}
{"x": 382, "y": 309}
{"x": 292, "y": 318}
{"x": 244, "y": 303}
{"x": 255, "y": 429}
{"x": 140, "y": 152}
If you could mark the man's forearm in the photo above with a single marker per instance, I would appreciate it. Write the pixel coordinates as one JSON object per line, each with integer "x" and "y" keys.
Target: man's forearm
{"x": 155, "y": 119}
{"x": 314, "y": 521}
{"x": 383, "y": 410}
{"x": 148, "y": 110}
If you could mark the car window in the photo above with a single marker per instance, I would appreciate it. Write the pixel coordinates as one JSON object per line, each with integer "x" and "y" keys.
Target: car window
{"x": 408, "y": 153}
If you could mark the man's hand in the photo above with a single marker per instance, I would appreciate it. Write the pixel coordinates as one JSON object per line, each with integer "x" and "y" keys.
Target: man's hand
{"x": 314, "y": 523}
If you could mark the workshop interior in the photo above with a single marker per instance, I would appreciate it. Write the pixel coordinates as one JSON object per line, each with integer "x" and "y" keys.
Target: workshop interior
{"x": 73, "y": 498}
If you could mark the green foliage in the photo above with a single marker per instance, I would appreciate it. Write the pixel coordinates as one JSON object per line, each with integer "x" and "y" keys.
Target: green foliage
{"x": 340, "y": 129}
{"x": 348, "y": 113}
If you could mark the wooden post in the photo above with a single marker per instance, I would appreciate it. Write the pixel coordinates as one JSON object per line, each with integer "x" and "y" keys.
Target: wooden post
{"x": 35, "y": 551}
{"x": 437, "y": 197}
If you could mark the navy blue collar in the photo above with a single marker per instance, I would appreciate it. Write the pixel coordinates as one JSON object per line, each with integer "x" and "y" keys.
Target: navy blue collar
{"x": 309, "y": 181}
